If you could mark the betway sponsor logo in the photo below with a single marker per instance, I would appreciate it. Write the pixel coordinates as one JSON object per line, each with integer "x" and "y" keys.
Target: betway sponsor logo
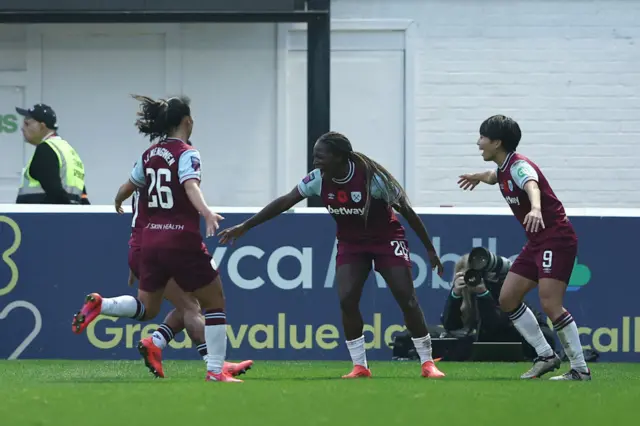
{"x": 345, "y": 211}
{"x": 513, "y": 200}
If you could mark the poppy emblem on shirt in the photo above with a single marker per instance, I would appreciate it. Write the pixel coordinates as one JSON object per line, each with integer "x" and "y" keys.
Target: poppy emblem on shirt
{"x": 342, "y": 197}
{"x": 356, "y": 196}
{"x": 195, "y": 163}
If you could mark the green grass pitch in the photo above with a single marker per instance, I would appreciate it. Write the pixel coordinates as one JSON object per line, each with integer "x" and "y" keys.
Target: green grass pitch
{"x": 96, "y": 393}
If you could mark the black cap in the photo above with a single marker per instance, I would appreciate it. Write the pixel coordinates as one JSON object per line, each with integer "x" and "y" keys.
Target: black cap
{"x": 41, "y": 113}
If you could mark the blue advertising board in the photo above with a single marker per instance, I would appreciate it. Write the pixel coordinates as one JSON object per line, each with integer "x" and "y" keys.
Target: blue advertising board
{"x": 279, "y": 283}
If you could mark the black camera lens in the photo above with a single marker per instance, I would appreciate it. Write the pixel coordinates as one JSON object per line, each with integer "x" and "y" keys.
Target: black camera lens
{"x": 472, "y": 278}
{"x": 479, "y": 258}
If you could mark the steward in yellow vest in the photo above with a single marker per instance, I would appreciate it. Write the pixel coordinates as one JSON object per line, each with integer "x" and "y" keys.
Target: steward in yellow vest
{"x": 55, "y": 172}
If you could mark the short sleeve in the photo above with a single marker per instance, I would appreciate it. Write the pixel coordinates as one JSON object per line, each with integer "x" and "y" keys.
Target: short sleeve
{"x": 379, "y": 190}
{"x": 311, "y": 184}
{"x": 189, "y": 166}
{"x": 137, "y": 174}
{"x": 522, "y": 172}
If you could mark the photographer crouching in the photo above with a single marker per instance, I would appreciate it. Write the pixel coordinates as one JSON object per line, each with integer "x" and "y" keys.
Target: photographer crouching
{"x": 472, "y": 309}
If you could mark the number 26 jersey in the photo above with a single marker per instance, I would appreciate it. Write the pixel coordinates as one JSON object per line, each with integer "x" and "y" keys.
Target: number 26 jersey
{"x": 160, "y": 173}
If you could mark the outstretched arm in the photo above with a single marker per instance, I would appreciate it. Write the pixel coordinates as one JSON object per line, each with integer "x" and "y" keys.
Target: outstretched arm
{"x": 471, "y": 180}
{"x": 490, "y": 177}
{"x": 309, "y": 186}
{"x": 271, "y": 210}
{"x": 275, "y": 208}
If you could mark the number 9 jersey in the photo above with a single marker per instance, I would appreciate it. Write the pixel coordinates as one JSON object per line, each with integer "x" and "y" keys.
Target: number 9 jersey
{"x": 160, "y": 173}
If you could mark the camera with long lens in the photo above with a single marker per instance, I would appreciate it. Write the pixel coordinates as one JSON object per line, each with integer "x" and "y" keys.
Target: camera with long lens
{"x": 472, "y": 278}
{"x": 483, "y": 263}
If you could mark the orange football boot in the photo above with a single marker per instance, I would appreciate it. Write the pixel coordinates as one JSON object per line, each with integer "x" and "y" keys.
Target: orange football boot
{"x": 90, "y": 310}
{"x": 236, "y": 369}
{"x": 221, "y": 377}
{"x": 152, "y": 356}
{"x": 359, "y": 371}
{"x": 430, "y": 370}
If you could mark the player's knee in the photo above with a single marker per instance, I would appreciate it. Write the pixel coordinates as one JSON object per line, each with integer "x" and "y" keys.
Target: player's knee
{"x": 347, "y": 305}
{"x": 211, "y": 296}
{"x": 218, "y": 294}
{"x": 193, "y": 311}
{"x": 508, "y": 302}
{"x": 551, "y": 307}
{"x": 408, "y": 302}
{"x": 151, "y": 303}
{"x": 193, "y": 308}
{"x": 212, "y": 302}
{"x": 189, "y": 305}
{"x": 348, "y": 302}
{"x": 150, "y": 312}
{"x": 194, "y": 326}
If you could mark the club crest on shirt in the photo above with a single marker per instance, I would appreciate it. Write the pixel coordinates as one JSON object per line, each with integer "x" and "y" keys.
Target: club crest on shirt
{"x": 308, "y": 178}
{"x": 506, "y": 185}
{"x": 356, "y": 196}
{"x": 195, "y": 163}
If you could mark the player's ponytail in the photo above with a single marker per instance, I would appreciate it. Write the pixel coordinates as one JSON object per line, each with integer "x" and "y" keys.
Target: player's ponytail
{"x": 157, "y": 118}
{"x": 396, "y": 194}
{"x": 149, "y": 120}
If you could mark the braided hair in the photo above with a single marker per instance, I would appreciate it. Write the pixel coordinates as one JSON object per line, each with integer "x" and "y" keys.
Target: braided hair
{"x": 158, "y": 118}
{"x": 396, "y": 196}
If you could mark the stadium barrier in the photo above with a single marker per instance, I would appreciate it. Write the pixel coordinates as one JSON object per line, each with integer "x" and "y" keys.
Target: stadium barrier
{"x": 279, "y": 282}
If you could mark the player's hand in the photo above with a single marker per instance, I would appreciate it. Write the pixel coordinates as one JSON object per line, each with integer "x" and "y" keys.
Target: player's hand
{"x": 118, "y": 206}
{"x": 458, "y": 283}
{"x": 211, "y": 220}
{"x": 533, "y": 221}
{"x": 435, "y": 261}
{"x": 233, "y": 233}
{"x": 132, "y": 278}
{"x": 468, "y": 181}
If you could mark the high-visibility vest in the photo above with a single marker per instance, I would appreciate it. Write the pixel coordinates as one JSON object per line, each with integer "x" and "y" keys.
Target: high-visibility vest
{"x": 71, "y": 174}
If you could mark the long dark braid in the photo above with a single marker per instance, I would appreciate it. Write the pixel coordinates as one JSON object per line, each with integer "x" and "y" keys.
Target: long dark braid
{"x": 395, "y": 193}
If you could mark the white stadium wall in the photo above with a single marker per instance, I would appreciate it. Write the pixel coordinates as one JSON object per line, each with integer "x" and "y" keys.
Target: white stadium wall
{"x": 412, "y": 80}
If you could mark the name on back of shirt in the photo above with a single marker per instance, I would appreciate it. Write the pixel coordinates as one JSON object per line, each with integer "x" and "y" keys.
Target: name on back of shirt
{"x": 161, "y": 152}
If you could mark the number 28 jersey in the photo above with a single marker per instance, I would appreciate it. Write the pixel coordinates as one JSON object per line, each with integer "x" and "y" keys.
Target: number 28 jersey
{"x": 160, "y": 172}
